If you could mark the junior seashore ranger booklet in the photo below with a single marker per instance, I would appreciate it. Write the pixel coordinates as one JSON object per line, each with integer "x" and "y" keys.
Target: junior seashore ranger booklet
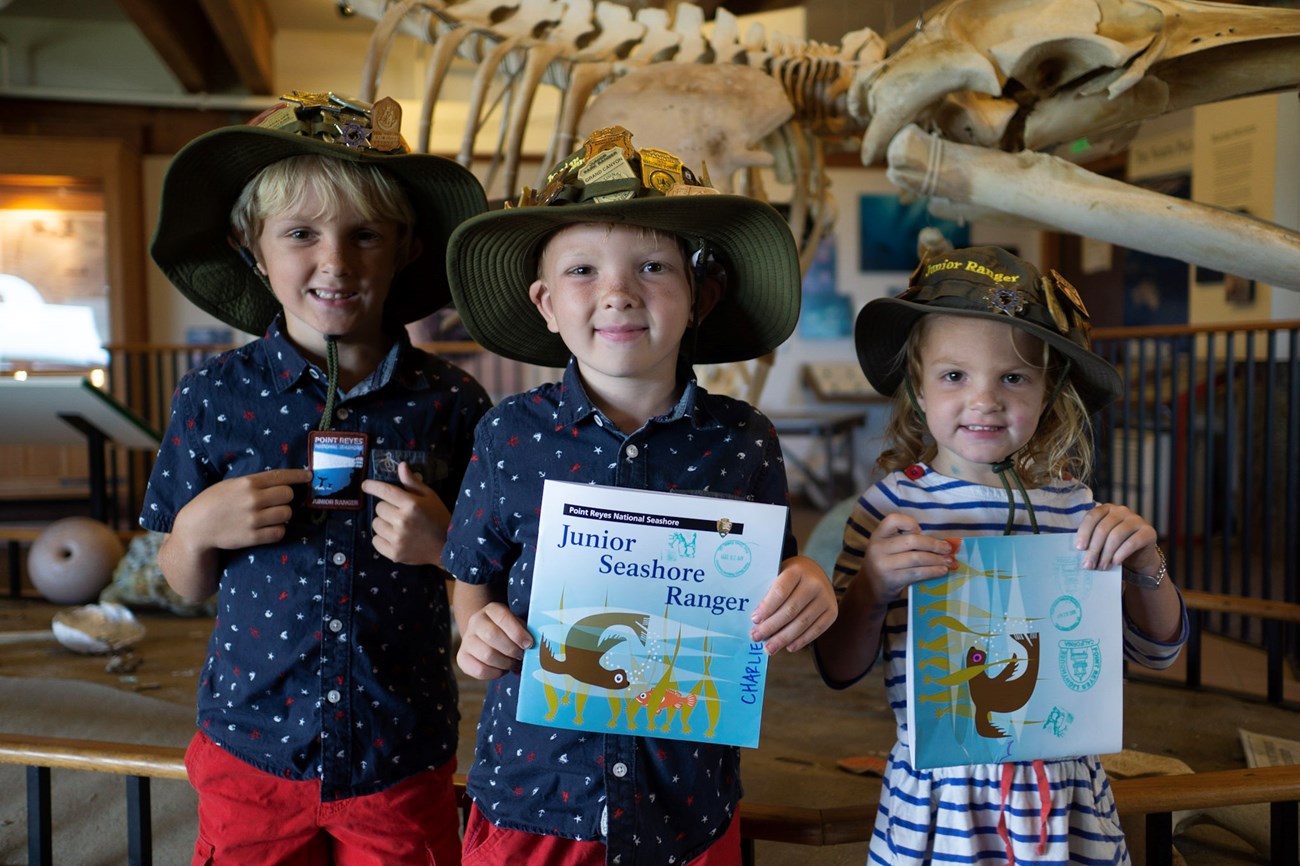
{"x": 1015, "y": 655}
{"x": 640, "y": 613}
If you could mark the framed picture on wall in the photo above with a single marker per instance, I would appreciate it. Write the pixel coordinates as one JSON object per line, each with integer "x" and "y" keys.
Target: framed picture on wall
{"x": 825, "y": 314}
{"x": 888, "y": 229}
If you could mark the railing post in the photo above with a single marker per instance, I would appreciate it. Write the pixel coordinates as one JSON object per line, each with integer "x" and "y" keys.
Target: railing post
{"x": 139, "y": 821}
{"x": 1160, "y": 839}
{"x": 40, "y": 832}
{"x": 1283, "y": 820}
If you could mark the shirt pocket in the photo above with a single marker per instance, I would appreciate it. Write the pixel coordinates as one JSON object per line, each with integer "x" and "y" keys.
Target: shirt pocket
{"x": 384, "y": 462}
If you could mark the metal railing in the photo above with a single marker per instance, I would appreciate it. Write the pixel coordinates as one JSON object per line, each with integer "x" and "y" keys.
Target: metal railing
{"x": 1206, "y": 445}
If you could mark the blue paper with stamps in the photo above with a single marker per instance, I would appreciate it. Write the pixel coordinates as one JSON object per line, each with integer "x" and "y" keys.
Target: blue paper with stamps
{"x": 1015, "y": 655}
{"x": 640, "y": 613}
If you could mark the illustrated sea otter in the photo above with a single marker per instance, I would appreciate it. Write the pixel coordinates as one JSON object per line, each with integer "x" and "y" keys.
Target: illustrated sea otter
{"x": 1002, "y": 694}
{"x": 587, "y": 642}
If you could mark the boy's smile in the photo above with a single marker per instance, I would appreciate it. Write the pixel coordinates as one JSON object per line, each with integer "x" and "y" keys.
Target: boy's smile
{"x": 330, "y": 269}
{"x": 982, "y": 393}
{"x": 620, "y": 298}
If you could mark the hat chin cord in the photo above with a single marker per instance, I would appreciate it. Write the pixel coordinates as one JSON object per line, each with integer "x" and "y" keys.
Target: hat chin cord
{"x": 332, "y": 369}
{"x": 1007, "y": 466}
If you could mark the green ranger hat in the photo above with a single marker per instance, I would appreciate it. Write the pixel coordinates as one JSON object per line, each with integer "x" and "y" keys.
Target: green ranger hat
{"x": 193, "y": 243}
{"x": 492, "y": 258}
{"x": 985, "y": 283}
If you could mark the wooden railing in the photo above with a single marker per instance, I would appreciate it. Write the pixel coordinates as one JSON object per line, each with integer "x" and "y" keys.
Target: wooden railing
{"x": 1156, "y": 798}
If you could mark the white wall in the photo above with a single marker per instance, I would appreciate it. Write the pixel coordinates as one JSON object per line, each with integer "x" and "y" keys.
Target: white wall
{"x": 1286, "y": 196}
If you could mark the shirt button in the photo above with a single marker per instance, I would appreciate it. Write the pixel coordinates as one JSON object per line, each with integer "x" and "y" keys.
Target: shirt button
{"x": 619, "y": 769}
{"x": 314, "y": 373}
{"x": 333, "y": 696}
{"x": 342, "y": 414}
{"x": 336, "y": 625}
{"x": 340, "y": 558}
{"x": 599, "y": 422}
{"x": 631, "y": 451}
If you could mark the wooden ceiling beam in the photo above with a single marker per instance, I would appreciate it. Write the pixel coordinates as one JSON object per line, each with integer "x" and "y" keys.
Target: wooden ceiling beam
{"x": 245, "y": 30}
{"x": 210, "y": 46}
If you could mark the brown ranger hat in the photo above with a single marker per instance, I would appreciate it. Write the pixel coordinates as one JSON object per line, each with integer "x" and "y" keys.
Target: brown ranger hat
{"x": 193, "y": 243}
{"x": 492, "y": 258}
{"x": 985, "y": 283}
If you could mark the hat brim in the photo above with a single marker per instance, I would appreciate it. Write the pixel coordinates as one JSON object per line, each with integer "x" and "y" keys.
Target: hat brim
{"x": 205, "y": 178}
{"x": 492, "y": 262}
{"x": 881, "y": 329}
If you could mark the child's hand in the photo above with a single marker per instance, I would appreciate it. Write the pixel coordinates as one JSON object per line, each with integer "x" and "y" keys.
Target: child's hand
{"x": 232, "y": 514}
{"x": 799, "y": 606}
{"x": 1112, "y": 534}
{"x": 898, "y": 555}
{"x": 241, "y": 512}
{"x": 492, "y": 642}
{"x": 410, "y": 520}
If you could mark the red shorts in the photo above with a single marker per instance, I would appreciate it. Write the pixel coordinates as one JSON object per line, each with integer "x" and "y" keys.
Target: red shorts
{"x": 248, "y": 817}
{"x": 487, "y": 844}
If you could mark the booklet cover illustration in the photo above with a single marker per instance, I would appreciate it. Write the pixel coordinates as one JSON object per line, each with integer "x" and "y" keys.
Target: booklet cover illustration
{"x": 1015, "y": 655}
{"x": 640, "y": 613}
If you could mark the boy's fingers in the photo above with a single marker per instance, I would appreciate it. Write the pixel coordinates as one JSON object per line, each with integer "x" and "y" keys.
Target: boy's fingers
{"x": 410, "y": 479}
{"x": 275, "y": 516}
{"x": 277, "y": 477}
{"x": 794, "y": 625}
{"x": 381, "y": 490}
{"x": 509, "y": 625}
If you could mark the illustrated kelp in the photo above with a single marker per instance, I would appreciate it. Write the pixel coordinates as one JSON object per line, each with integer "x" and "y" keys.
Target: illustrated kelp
{"x": 978, "y": 690}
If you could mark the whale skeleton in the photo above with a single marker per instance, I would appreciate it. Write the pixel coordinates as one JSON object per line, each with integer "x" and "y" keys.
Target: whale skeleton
{"x": 967, "y": 110}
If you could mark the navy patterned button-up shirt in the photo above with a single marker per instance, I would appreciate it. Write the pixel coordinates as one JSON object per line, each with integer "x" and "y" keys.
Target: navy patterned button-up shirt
{"x": 649, "y": 800}
{"x": 327, "y": 661}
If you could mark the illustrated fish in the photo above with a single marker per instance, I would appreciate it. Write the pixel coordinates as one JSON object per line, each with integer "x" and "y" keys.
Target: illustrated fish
{"x": 587, "y": 642}
{"x": 673, "y": 700}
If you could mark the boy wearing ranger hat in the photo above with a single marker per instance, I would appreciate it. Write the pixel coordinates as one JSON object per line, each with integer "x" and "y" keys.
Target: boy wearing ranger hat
{"x": 625, "y": 268}
{"x": 994, "y": 380}
{"x": 306, "y": 477}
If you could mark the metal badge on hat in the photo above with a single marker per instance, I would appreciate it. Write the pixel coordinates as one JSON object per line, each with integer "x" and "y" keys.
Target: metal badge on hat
{"x": 1004, "y": 299}
{"x": 606, "y": 165}
{"x": 1073, "y": 309}
{"x": 610, "y": 137}
{"x": 386, "y": 125}
{"x": 1048, "y": 289}
{"x": 660, "y": 169}
{"x": 352, "y": 123}
{"x": 608, "y": 155}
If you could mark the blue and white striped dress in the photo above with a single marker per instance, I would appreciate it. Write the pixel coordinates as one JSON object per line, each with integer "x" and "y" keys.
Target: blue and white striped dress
{"x": 952, "y": 814}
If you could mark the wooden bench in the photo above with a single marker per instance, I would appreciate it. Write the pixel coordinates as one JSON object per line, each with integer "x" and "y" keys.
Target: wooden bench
{"x": 1155, "y": 797}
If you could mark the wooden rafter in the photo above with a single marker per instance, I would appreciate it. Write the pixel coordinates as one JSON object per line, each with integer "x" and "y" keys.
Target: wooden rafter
{"x": 209, "y": 46}
{"x": 244, "y": 28}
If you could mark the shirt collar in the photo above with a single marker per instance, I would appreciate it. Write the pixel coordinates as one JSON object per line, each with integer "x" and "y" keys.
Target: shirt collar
{"x": 576, "y": 407}
{"x": 288, "y": 366}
